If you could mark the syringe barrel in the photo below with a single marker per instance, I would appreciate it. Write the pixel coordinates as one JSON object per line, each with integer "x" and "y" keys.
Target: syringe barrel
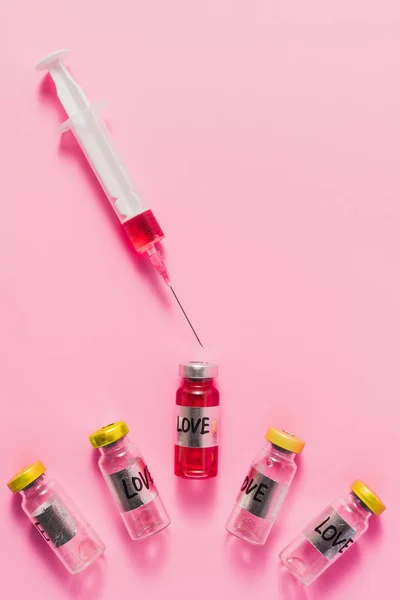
{"x": 95, "y": 141}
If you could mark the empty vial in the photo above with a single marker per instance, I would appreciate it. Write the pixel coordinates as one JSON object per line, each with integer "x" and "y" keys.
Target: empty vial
{"x": 197, "y": 422}
{"x": 265, "y": 487}
{"x": 331, "y": 533}
{"x": 130, "y": 482}
{"x": 56, "y": 518}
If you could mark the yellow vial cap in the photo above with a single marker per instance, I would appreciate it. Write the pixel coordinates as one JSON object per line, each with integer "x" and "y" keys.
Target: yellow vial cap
{"x": 26, "y": 476}
{"x": 285, "y": 440}
{"x": 368, "y": 497}
{"x": 108, "y": 434}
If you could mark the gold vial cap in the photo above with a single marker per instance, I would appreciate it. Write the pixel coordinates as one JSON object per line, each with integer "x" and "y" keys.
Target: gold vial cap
{"x": 108, "y": 434}
{"x": 285, "y": 440}
{"x": 368, "y": 497}
{"x": 26, "y": 476}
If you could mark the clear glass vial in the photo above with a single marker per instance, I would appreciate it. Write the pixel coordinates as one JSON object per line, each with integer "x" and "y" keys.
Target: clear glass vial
{"x": 265, "y": 487}
{"x": 56, "y": 518}
{"x": 197, "y": 422}
{"x": 331, "y": 533}
{"x": 130, "y": 482}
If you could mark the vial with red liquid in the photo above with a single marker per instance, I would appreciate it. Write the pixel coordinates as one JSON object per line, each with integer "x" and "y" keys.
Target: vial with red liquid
{"x": 264, "y": 488}
{"x": 55, "y": 517}
{"x": 331, "y": 533}
{"x": 197, "y": 422}
{"x": 130, "y": 482}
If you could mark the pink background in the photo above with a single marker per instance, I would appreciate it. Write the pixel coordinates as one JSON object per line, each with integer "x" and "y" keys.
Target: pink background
{"x": 265, "y": 136}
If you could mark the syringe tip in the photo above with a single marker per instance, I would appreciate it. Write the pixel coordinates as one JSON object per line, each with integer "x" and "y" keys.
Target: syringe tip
{"x": 159, "y": 264}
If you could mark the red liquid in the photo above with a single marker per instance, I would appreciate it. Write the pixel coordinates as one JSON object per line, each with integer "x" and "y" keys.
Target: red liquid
{"x": 197, "y": 463}
{"x": 143, "y": 230}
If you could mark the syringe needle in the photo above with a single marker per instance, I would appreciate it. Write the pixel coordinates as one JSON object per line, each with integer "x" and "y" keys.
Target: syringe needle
{"x": 186, "y": 317}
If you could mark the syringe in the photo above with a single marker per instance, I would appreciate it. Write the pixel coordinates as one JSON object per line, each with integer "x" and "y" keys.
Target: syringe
{"x": 93, "y": 137}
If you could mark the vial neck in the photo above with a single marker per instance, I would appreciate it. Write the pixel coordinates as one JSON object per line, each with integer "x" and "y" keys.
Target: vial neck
{"x": 114, "y": 447}
{"x": 201, "y": 383}
{"x": 34, "y": 487}
{"x": 280, "y": 453}
{"x": 358, "y": 506}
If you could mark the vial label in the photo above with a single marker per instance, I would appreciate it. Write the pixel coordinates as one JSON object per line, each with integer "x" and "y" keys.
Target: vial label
{"x": 330, "y": 535}
{"x": 133, "y": 486}
{"x": 257, "y": 493}
{"x": 197, "y": 427}
{"x": 55, "y": 523}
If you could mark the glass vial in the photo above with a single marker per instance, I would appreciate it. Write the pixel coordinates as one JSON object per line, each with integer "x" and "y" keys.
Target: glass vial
{"x": 265, "y": 487}
{"x": 331, "y": 533}
{"x": 56, "y": 518}
{"x": 197, "y": 422}
{"x": 130, "y": 481}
